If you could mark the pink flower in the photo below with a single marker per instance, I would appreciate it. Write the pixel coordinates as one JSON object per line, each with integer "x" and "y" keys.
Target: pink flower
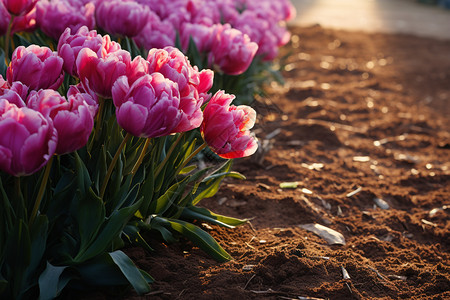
{"x": 72, "y": 118}
{"x": 232, "y": 51}
{"x": 98, "y": 71}
{"x": 15, "y": 94}
{"x": 19, "y": 7}
{"x": 26, "y": 22}
{"x": 200, "y": 34}
{"x": 155, "y": 33}
{"x": 37, "y": 67}
{"x": 121, "y": 17}
{"x": 4, "y": 19}
{"x": 70, "y": 45}
{"x": 192, "y": 84}
{"x": 28, "y": 139}
{"x": 53, "y": 17}
{"x": 225, "y": 128}
{"x": 149, "y": 107}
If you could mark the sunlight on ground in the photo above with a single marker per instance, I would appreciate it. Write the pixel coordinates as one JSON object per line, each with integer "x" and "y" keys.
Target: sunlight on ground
{"x": 392, "y": 16}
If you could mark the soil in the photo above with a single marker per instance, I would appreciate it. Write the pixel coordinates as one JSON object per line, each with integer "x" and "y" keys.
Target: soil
{"x": 361, "y": 117}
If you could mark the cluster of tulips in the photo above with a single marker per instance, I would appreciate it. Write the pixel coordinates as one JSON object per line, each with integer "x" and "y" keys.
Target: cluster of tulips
{"x": 229, "y": 32}
{"x": 102, "y": 119}
{"x": 153, "y": 97}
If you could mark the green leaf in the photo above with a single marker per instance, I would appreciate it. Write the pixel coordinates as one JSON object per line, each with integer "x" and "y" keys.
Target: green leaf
{"x": 3, "y": 65}
{"x": 130, "y": 271}
{"x": 232, "y": 174}
{"x": 209, "y": 188}
{"x": 3, "y": 284}
{"x": 169, "y": 197}
{"x": 89, "y": 213}
{"x": 51, "y": 283}
{"x": 199, "y": 213}
{"x": 132, "y": 232}
{"x": 188, "y": 169}
{"x": 202, "y": 239}
{"x": 113, "y": 227}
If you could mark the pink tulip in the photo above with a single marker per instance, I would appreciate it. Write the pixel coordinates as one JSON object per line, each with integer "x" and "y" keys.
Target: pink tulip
{"x": 28, "y": 139}
{"x": 149, "y": 107}
{"x": 200, "y": 34}
{"x": 70, "y": 45}
{"x": 15, "y": 94}
{"x": 4, "y": 19}
{"x": 232, "y": 51}
{"x": 53, "y": 17}
{"x": 37, "y": 67}
{"x": 99, "y": 71}
{"x": 225, "y": 128}
{"x": 19, "y": 7}
{"x": 156, "y": 33}
{"x": 72, "y": 118}
{"x": 121, "y": 17}
{"x": 192, "y": 84}
{"x": 25, "y": 22}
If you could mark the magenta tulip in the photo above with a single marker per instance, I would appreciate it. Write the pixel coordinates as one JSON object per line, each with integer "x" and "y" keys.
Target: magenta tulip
{"x": 28, "y": 139}
{"x": 26, "y": 22}
{"x": 19, "y": 7}
{"x": 70, "y": 45}
{"x": 192, "y": 84}
{"x": 4, "y": 19}
{"x": 121, "y": 17}
{"x": 225, "y": 128}
{"x": 156, "y": 33}
{"x": 232, "y": 51}
{"x": 53, "y": 17}
{"x": 15, "y": 94}
{"x": 72, "y": 118}
{"x": 99, "y": 71}
{"x": 36, "y": 67}
{"x": 149, "y": 107}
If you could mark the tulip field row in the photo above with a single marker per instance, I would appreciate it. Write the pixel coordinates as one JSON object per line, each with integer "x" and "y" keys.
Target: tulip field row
{"x": 105, "y": 108}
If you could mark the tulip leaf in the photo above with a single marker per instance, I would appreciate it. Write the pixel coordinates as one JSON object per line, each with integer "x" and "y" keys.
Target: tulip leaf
{"x": 232, "y": 174}
{"x": 3, "y": 284}
{"x": 132, "y": 232}
{"x": 170, "y": 196}
{"x": 3, "y": 65}
{"x": 113, "y": 227}
{"x": 200, "y": 238}
{"x": 203, "y": 214}
{"x": 51, "y": 283}
{"x": 130, "y": 271}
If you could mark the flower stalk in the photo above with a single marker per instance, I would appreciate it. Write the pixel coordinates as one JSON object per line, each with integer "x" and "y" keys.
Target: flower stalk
{"x": 44, "y": 181}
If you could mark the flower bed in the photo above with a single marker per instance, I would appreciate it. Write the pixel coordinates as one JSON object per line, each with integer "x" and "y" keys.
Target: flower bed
{"x": 101, "y": 130}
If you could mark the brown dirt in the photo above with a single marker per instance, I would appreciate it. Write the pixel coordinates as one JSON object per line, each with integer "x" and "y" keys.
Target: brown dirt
{"x": 370, "y": 111}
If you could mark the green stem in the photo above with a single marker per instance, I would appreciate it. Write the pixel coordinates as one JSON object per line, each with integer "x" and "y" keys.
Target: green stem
{"x": 169, "y": 153}
{"x": 8, "y": 36}
{"x": 141, "y": 157}
{"x": 113, "y": 164}
{"x": 44, "y": 181}
{"x": 190, "y": 157}
{"x": 98, "y": 122}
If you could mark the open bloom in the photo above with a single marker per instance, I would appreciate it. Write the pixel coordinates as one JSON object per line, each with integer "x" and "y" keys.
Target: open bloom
{"x": 73, "y": 118}
{"x": 121, "y": 17}
{"x": 149, "y": 107}
{"x": 192, "y": 84}
{"x": 99, "y": 70}
{"x": 36, "y": 67}
{"x": 225, "y": 128}
{"x": 53, "y": 17}
{"x": 16, "y": 93}
{"x": 232, "y": 51}
{"x": 69, "y": 45}
{"x": 28, "y": 139}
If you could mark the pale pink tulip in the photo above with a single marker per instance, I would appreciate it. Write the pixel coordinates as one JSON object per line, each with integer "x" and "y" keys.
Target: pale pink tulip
{"x": 28, "y": 139}
{"x": 225, "y": 128}
{"x": 36, "y": 67}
